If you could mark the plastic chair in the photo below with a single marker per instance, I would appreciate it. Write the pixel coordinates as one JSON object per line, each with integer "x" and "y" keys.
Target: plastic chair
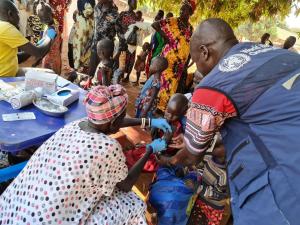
{"x": 11, "y": 172}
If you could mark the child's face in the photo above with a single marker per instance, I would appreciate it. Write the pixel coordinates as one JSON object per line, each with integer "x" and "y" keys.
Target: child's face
{"x": 139, "y": 16}
{"x": 45, "y": 17}
{"x": 173, "y": 112}
{"x": 146, "y": 47}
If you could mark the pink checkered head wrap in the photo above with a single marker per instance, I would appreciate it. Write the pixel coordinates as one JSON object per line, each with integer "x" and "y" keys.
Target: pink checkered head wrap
{"x": 104, "y": 104}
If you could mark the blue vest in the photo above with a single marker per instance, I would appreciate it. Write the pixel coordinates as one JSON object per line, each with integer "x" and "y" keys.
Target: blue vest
{"x": 263, "y": 142}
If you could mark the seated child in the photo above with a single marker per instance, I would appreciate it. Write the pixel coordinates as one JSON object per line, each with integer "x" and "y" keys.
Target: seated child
{"x": 104, "y": 71}
{"x": 146, "y": 101}
{"x": 141, "y": 61}
{"x": 52, "y": 60}
{"x": 211, "y": 196}
{"x": 176, "y": 109}
{"x": 176, "y": 188}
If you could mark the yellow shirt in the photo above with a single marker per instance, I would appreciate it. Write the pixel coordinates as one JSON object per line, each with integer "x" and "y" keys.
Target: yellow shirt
{"x": 10, "y": 39}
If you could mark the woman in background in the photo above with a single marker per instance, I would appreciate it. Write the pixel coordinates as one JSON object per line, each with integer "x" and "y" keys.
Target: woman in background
{"x": 83, "y": 34}
{"x": 177, "y": 33}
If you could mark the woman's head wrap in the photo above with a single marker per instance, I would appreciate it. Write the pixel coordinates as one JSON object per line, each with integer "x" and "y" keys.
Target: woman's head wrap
{"x": 190, "y": 3}
{"x": 104, "y": 104}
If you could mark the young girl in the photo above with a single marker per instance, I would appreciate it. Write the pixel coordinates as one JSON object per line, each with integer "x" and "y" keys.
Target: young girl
{"x": 53, "y": 59}
{"x": 141, "y": 61}
{"x": 145, "y": 103}
{"x": 104, "y": 71}
{"x": 212, "y": 193}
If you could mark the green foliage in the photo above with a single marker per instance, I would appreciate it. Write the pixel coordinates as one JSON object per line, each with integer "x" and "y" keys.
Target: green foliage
{"x": 254, "y": 31}
{"x": 233, "y": 11}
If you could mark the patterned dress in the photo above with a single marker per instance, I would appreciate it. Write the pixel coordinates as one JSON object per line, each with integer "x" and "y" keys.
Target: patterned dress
{"x": 105, "y": 23}
{"x": 144, "y": 97}
{"x": 34, "y": 28}
{"x": 53, "y": 59}
{"x": 71, "y": 179}
{"x": 209, "y": 206}
{"x": 176, "y": 52}
{"x": 124, "y": 20}
{"x": 83, "y": 36}
{"x": 59, "y": 9}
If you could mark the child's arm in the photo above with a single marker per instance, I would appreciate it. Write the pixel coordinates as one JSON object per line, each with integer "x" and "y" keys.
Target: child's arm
{"x": 155, "y": 91}
{"x": 156, "y": 146}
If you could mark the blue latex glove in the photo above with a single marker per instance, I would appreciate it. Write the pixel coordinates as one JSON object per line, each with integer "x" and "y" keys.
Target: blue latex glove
{"x": 158, "y": 145}
{"x": 51, "y": 33}
{"x": 162, "y": 124}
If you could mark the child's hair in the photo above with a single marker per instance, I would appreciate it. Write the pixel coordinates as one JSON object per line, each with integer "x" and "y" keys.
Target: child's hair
{"x": 169, "y": 15}
{"x": 160, "y": 63}
{"x": 139, "y": 14}
{"x": 181, "y": 101}
{"x": 105, "y": 48}
{"x": 146, "y": 46}
{"x": 44, "y": 11}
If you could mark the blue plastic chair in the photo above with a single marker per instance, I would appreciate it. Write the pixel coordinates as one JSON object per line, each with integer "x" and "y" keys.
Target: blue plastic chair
{"x": 11, "y": 172}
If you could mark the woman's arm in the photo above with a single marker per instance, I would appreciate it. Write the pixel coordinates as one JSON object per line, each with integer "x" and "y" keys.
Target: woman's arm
{"x": 134, "y": 172}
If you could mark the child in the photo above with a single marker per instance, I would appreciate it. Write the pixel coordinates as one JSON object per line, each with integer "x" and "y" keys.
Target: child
{"x": 145, "y": 103}
{"x": 172, "y": 194}
{"x": 212, "y": 191}
{"x": 104, "y": 71}
{"x": 53, "y": 58}
{"x": 70, "y": 42}
{"x": 141, "y": 61}
{"x": 176, "y": 109}
{"x": 139, "y": 16}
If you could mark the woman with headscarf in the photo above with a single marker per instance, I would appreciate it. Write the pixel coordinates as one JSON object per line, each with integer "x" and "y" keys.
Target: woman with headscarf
{"x": 177, "y": 33}
{"x": 84, "y": 28}
{"x": 79, "y": 175}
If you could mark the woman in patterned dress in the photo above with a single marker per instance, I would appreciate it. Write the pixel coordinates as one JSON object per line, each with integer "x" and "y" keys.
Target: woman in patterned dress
{"x": 79, "y": 176}
{"x": 84, "y": 28}
{"x": 176, "y": 33}
{"x": 59, "y": 8}
{"x": 53, "y": 58}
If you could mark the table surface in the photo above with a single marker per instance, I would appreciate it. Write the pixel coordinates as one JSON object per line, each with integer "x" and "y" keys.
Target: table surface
{"x": 18, "y": 135}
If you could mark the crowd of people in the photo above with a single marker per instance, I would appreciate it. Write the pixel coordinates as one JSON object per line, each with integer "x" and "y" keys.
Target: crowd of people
{"x": 213, "y": 140}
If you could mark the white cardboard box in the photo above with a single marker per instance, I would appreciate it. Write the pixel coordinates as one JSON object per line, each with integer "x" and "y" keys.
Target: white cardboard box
{"x": 35, "y": 79}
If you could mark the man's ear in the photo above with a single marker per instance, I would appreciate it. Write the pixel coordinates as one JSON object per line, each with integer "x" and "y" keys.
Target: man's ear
{"x": 9, "y": 13}
{"x": 204, "y": 52}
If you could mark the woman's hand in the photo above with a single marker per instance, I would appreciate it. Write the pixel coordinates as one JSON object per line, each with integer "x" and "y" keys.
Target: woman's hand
{"x": 162, "y": 124}
{"x": 158, "y": 145}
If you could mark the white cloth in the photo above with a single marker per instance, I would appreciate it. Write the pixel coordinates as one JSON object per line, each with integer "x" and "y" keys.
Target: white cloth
{"x": 65, "y": 179}
{"x": 119, "y": 209}
{"x": 145, "y": 29}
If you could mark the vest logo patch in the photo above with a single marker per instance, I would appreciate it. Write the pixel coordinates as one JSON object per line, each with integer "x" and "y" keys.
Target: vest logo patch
{"x": 234, "y": 62}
